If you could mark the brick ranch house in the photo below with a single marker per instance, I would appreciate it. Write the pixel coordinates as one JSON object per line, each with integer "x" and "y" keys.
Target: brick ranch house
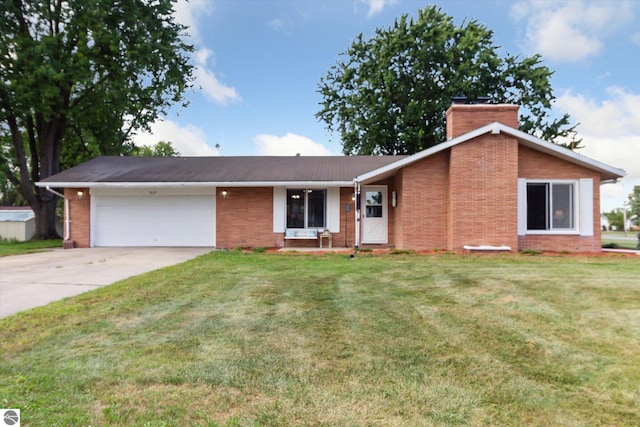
{"x": 489, "y": 186}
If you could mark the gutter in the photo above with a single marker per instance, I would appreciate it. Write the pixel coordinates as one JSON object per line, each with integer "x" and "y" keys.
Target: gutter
{"x": 67, "y": 220}
{"x": 356, "y": 188}
{"x": 230, "y": 184}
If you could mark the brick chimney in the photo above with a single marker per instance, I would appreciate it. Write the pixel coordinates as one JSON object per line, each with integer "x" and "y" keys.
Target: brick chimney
{"x": 463, "y": 118}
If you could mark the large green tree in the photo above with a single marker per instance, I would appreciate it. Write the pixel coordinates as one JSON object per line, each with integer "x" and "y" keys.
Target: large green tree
{"x": 389, "y": 94}
{"x": 77, "y": 78}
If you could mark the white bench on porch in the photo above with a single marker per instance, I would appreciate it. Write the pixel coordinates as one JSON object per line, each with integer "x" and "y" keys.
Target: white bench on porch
{"x": 300, "y": 234}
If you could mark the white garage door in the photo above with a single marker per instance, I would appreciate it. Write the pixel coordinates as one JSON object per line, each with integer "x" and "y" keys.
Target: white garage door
{"x": 157, "y": 220}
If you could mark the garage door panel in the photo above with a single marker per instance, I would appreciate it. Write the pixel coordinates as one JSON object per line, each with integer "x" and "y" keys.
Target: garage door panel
{"x": 155, "y": 221}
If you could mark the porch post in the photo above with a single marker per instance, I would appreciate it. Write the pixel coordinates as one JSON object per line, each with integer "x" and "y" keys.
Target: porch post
{"x": 357, "y": 213}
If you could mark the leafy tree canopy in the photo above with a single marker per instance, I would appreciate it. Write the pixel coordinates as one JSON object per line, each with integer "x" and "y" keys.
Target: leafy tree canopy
{"x": 160, "y": 149}
{"x": 77, "y": 77}
{"x": 615, "y": 219}
{"x": 389, "y": 94}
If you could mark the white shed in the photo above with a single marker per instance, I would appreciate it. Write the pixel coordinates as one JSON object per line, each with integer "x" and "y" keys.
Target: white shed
{"x": 17, "y": 223}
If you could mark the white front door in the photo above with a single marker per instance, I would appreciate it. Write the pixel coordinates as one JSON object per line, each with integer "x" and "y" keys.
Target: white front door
{"x": 374, "y": 214}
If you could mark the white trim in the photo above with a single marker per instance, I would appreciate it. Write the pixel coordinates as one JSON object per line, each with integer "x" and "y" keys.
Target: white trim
{"x": 333, "y": 209}
{"x": 522, "y": 207}
{"x": 92, "y": 220}
{"x": 152, "y": 191}
{"x": 230, "y": 184}
{"x": 496, "y": 128}
{"x": 356, "y": 212}
{"x": 557, "y": 231}
{"x": 585, "y": 207}
{"x": 487, "y": 248}
{"x": 279, "y": 209}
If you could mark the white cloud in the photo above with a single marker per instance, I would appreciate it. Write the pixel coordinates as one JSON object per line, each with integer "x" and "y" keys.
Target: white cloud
{"x": 289, "y": 145}
{"x": 276, "y": 24}
{"x": 376, "y": 6}
{"x": 570, "y": 30}
{"x": 610, "y": 132}
{"x": 617, "y": 116}
{"x": 209, "y": 83}
{"x": 189, "y": 13}
{"x": 188, "y": 140}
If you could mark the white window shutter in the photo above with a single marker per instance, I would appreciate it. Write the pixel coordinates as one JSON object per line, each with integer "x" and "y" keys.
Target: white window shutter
{"x": 522, "y": 206}
{"x": 586, "y": 207}
{"x": 279, "y": 209}
{"x": 333, "y": 209}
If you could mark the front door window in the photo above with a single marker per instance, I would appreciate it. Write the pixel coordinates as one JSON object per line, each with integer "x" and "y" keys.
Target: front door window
{"x": 374, "y": 204}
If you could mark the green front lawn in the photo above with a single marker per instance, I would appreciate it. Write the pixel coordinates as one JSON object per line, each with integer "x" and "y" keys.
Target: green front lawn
{"x": 234, "y": 338}
{"x": 620, "y": 240}
{"x": 17, "y": 248}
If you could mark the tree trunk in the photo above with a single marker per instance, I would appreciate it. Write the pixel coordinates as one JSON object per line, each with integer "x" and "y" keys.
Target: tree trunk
{"x": 42, "y": 161}
{"x": 45, "y": 211}
{"x": 50, "y": 143}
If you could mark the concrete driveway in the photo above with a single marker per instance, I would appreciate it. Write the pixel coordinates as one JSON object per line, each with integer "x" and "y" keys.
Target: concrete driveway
{"x": 32, "y": 280}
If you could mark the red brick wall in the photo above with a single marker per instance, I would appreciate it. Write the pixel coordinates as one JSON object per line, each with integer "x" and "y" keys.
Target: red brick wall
{"x": 483, "y": 192}
{"x": 79, "y": 213}
{"x": 536, "y": 165}
{"x": 400, "y": 210}
{"x": 245, "y": 218}
{"x": 421, "y": 214}
{"x": 347, "y": 220}
{"x": 465, "y": 118}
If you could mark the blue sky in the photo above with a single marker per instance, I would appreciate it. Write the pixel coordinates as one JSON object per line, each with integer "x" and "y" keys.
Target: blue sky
{"x": 258, "y": 64}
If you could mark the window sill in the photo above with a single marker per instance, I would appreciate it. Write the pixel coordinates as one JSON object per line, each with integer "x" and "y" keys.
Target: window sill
{"x": 552, "y": 233}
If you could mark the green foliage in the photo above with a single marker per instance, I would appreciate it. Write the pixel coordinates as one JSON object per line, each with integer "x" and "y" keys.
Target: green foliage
{"x": 389, "y": 94}
{"x": 616, "y": 219}
{"x": 161, "y": 149}
{"x": 532, "y": 252}
{"x": 76, "y": 79}
{"x": 395, "y": 251}
{"x": 13, "y": 247}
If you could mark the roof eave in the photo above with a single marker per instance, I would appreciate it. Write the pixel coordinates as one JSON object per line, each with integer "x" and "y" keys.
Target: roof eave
{"x": 376, "y": 174}
{"x": 194, "y": 184}
{"x": 608, "y": 173}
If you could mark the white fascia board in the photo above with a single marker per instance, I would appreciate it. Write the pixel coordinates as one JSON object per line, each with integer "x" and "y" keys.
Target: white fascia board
{"x": 306, "y": 184}
{"x": 550, "y": 147}
{"x": 495, "y": 128}
{"x": 369, "y": 176}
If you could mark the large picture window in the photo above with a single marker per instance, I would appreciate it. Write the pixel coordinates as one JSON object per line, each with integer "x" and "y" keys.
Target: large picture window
{"x": 306, "y": 208}
{"x": 551, "y": 206}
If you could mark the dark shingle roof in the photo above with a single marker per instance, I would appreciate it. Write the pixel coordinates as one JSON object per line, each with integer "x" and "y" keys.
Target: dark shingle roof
{"x": 243, "y": 169}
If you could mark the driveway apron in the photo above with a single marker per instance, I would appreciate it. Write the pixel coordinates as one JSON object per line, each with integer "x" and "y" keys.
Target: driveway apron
{"x": 32, "y": 280}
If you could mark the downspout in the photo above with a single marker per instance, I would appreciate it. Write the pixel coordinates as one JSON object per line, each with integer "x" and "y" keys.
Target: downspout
{"x": 356, "y": 188}
{"x": 67, "y": 220}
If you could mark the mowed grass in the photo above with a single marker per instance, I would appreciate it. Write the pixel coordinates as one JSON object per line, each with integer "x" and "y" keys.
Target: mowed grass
{"x": 17, "y": 248}
{"x": 620, "y": 239}
{"x": 244, "y": 339}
